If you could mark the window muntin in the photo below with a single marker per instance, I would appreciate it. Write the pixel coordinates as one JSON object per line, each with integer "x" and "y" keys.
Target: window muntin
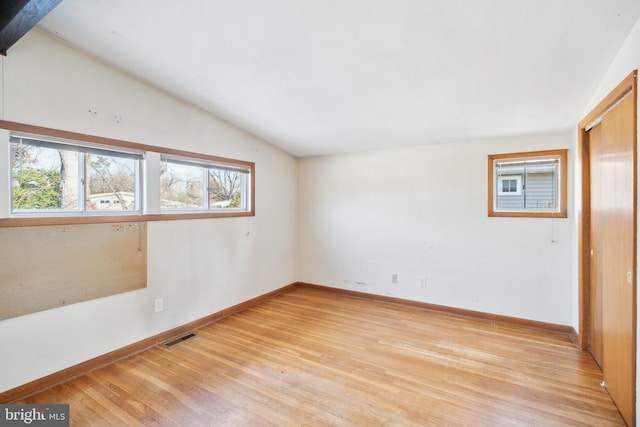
{"x": 528, "y": 184}
{"x": 54, "y": 177}
{"x": 195, "y": 184}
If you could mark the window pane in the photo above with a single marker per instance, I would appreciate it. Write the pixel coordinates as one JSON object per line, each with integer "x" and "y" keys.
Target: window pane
{"x": 225, "y": 189}
{"x": 542, "y": 188}
{"x": 44, "y": 178}
{"x": 181, "y": 186}
{"x": 110, "y": 182}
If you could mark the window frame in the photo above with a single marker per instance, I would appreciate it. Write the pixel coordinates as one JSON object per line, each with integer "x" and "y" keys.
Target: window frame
{"x": 150, "y": 208}
{"x": 561, "y": 211}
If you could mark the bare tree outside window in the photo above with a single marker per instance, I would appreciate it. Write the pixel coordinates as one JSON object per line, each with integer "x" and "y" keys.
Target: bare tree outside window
{"x": 111, "y": 182}
{"x": 181, "y": 186}
{"x": 225, "y": 188}
{"x": 52, "y": 176}
{"x": 61, "y": 177}
{"x": 185, "y": 186}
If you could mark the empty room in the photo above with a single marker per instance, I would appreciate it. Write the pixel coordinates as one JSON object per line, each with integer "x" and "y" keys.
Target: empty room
{"x": 349, "y": 213}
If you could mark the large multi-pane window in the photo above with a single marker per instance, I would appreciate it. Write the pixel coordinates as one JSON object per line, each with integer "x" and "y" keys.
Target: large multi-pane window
{"x": 59, "y": 177}
{"x": 49, "y": 176}
{"x": 195, "y": 184}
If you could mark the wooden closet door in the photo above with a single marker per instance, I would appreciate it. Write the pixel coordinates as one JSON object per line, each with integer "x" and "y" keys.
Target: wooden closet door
{"x": 612, "y": 162}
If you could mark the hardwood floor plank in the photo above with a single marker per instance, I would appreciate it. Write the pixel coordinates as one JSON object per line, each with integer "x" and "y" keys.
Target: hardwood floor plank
{"x": 312, "y": 357}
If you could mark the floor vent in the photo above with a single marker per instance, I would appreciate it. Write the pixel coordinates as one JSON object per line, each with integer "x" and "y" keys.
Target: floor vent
{"x": 179, "y": 340}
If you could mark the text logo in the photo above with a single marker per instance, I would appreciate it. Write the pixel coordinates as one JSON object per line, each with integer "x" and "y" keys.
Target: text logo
{"x": 34, "y": 415}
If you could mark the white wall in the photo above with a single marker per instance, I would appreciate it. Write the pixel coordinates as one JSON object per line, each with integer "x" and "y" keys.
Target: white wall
{"x": 422, "y": 211}
{"x": 627, "y": 60}
{"x": 198, "y": 266}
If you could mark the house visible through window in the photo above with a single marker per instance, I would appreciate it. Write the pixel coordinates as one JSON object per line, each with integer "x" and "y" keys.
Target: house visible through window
{"x": 59, "y": 177}
{"x": 510, "y": 185}
{"x": 528, "y": 184}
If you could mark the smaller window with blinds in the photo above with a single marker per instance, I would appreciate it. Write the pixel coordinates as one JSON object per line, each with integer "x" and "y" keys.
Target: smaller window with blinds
{"x": 532, "y": 184}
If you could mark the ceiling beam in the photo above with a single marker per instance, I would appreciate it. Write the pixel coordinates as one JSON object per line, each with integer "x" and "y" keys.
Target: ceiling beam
{"x": 17, "y": 17}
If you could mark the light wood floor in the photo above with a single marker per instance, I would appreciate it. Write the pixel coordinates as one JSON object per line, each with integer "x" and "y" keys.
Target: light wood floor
{"x": 311, "y": 357}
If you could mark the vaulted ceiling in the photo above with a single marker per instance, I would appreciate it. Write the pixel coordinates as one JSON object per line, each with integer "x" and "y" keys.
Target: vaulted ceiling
{"x": 317, "y": 77}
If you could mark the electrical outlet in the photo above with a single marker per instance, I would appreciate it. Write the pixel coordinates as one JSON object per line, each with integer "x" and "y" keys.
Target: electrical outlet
{"x": 159, "y": 305}
{"x": 422, "y": 280}
{"x": 394, "y": 278}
